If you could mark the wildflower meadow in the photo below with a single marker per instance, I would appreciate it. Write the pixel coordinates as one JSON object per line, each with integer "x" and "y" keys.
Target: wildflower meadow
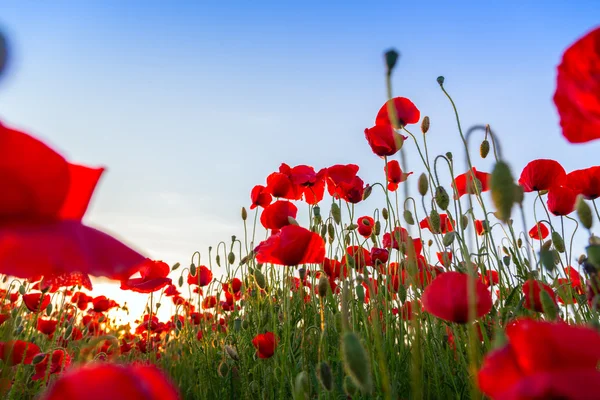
{"x": 418, "y": 286}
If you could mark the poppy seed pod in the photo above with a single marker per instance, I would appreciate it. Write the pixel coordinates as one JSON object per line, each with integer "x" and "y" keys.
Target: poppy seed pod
{"x": 425, "y": 125}
{"x": 244, "y": 214}
{"x": 260, "y": 279}
{"x": 464, "y": 221}
{"x": 323, "y": 285}
{"x": 484, "y": 148}
{"x": 441, "y": 198}
{"x": 331, "y": 231}
{"x": 231, "y": 257}
{"x": 325, "y": 376}
{"x": 377, "y": 229}
{"x": 558, "y": 241}
{"x": 192, "y": 269}
{"x": 448, "y": 239}
{"x": 336, "y": 213}
{"x": 435, "y": 221}
{"x": 423, "y": 184}
{"x": 356, "y": 362}
{"x": 440, "y": 80}
{"x": 391, "y": 58}
{"x": 584, "y": 212}
{"x": 502, "y": 187}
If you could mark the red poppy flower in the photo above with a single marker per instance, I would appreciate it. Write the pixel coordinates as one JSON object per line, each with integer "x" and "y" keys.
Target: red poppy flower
{"x": 577, "y": 87}
{"x": 44, "y": 199}
{"x": 233, "y": 286}
{"x": 280, "y": 185}
{"x": 539, "y": 232}
{"x": 359, "y": 256}
{"x": 398, "y": 237}
{"x": 275, "y": 216}
{"x": 59, "y": 361}
{"x": 445, "y": 258}
{"x": 36, "y": 302}
{"x": 406, "y": 112}
{"x": 479, "y": 228}
{"x": 103, "y": 304}
{"x": 531, "y": 291}
{"x": 395, "y": 174}
{"x": 561, "y": 200}
{"x": 384, "y": 141}
{"x": 365, "y": 226}
{"x": 292, "y": 245}
{"x": 333, "y": 268}
{"x": 171, "y": 290}
{"x": 543, "y": 360}
{"x": 134, "y": 381}
{"x": 265, "y": 344}
{"x": 445, "y": 224}
{"x": 81, "y": 299}
{"x": 209, "y": 302}
{"x": 4, "y": 318}
{"x": 380, "y": 256}
{"x": 311, "y": 184}
{"x": 408, "y": 309}
{"x": 16, "y": 352}
{"x": 46, "y": 326}
{"x": 153, "y": 278}
{"x": 202, "y": 278}
{"x": 542, "y": 175}
{"x": 585, "y": 182}
{"x": 447, "y": 298}
{"x": 491, "y": 278}
{"x": 422, "y": 278}
{"x": 342, "y": 183}
{"x": 467, "y": 183}
{"x": 575, "y": 278}
{"x": 260, "y": 197}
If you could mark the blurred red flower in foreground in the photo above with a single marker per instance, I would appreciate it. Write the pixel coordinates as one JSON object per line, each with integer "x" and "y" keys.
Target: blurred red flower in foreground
{"x": 292, "y": 245}
{"x": 543, "y": 360}
{"x": 43, "y": 200}
{"x": 153, "y": 278}
{"x": 60, "y": 360}
{"x": 577, "y": 95}
{"x": 265, "y": 344}
{"x": 114, "y": 382}
{"x": 541, "y": 175}
{"x": 533, "y": 298}
{"x": 447, "y": 298}
{"x": 406, "y": 112}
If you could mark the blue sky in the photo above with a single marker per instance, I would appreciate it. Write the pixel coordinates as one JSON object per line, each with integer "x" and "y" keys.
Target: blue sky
{"x": 190, "y": 105}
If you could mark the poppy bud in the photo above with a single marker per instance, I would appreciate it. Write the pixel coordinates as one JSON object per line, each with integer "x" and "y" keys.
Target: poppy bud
{"x": 302, "y": 273}
{"x": 292, "y": 221}
{"x": 547, "y": 259}
{"x": 180, "y": 281}
{"x": 244, "y": 214}
{"x": 349, "y": 387}
{"x": 232, "y": 352}
{"x": 449, "y": 156}
{"x": 323, "y": 285}
{"x": 331, "y": 231}
{"x": 402, "y": 293}
{"x": 301, "y": 386}
{"x": 377, "y": 229}
{"x": 336, "y": 213}
{"x": 223, "y": 369}
{"x": 584, "y": 213}
{"x": 218, "y": 260}
{"x": 356, "y": 362}
{"x": 323, "y": 231}
{"x": 68, "y": 331}
{"x": 425, "y": 125}
{"x": 423, "y": 184}
{"x": 367, "y": 192}
{"x": 360, "y": 293}
{"x": 548, "y": 304}
{"x": 325, "y": 376}
{"x": 464, "y": 221}
{"x": 231, "y": 257}
{"x": 175, "y": 266}
{"x": 260, "y": 279}
{"x": 558, "y": 241}
{"x": 484, "y": 148}
{"x": 192, "y": 269}
{"x": 38, "y": 358}
{"x": 440, "y": 80}
{"x": 519, "y": 242}
{"x": 502, "y": 188}
{"x": 22, "y": 290}
{"x": 448, "y": 238}
{"x": 582, "y": 258}
{"x": 519, "y": 194}
{"x": 384, "y": 213}
{"x": 391, "y": 58}
{"x": 441, "y": 198}
{"x": 435, "y": 221}
{"x": 352, "y": 227}
{"x": 49, "y": 309}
